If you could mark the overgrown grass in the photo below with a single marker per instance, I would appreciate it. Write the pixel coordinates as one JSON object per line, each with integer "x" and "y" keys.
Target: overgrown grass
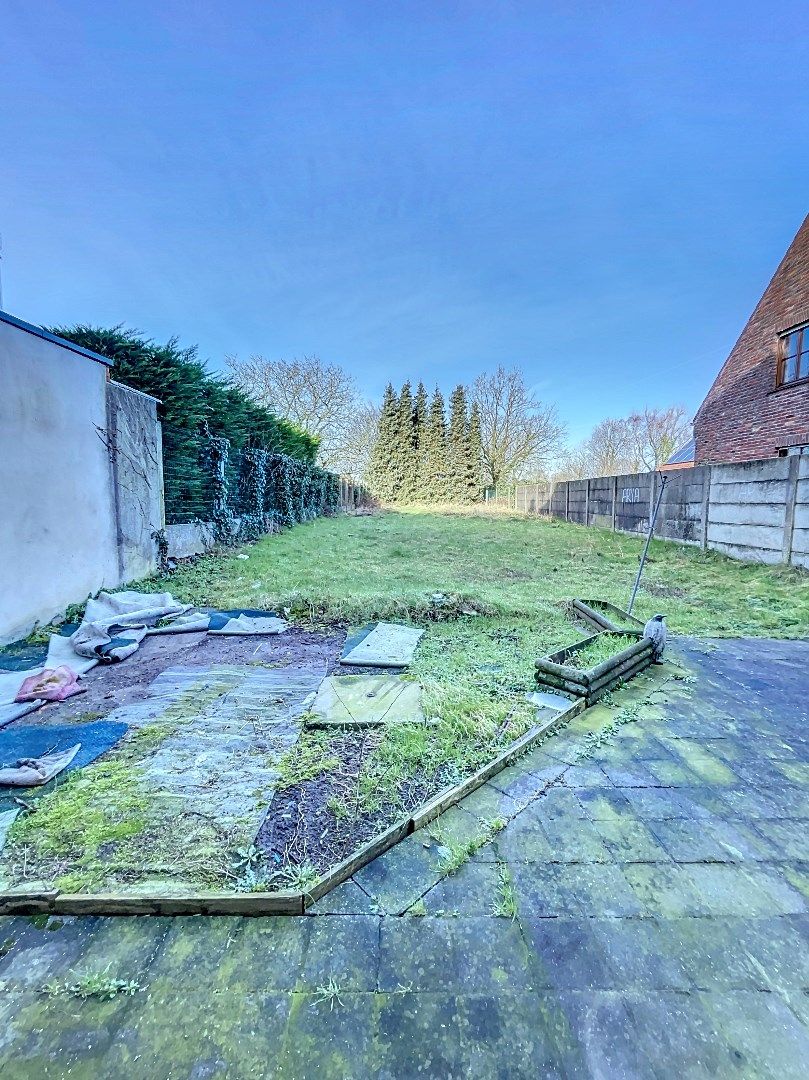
{"x": 487, "y": 586}
{"x": 599, "y": 650}
{"x": 388, "y": 566}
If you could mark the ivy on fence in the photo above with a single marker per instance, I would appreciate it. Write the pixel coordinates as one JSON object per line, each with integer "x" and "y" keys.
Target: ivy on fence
{"x": 264, "y": 489}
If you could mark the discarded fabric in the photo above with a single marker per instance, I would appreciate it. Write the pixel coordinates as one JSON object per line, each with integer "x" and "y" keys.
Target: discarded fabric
{"x": 35, "y": 740}
{"x": 53, "y": 684}
{"x": 382, "y": 645}
{"x": 253, "y": 623}
{"x": 31, "y": 772}
{"x": 13, "y": 711}
{"x": 115, "y": 623}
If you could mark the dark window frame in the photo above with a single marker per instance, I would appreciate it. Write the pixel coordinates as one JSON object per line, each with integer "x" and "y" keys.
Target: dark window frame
{"x": 801, "y": 353}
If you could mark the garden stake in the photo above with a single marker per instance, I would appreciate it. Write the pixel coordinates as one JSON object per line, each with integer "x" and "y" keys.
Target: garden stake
{"x": 664, "y": 480}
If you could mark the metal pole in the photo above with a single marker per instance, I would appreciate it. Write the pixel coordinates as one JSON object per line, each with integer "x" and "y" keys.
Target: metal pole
{"x": 664, "y": 480}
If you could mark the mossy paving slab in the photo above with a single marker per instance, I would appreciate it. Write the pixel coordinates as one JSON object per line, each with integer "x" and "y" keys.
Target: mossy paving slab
{"x": 367, "y": 700}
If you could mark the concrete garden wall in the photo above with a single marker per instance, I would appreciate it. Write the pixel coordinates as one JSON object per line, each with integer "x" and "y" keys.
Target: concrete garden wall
{"x": 81, "y": 487}
{"x": 757, "y": 512}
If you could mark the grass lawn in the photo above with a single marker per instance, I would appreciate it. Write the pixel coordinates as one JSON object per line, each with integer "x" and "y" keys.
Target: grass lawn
{"x": 353, "y": 569}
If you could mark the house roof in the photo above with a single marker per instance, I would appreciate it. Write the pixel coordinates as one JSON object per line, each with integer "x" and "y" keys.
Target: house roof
{"x": 37, "y": 331}
{"x": 684, "y": 455}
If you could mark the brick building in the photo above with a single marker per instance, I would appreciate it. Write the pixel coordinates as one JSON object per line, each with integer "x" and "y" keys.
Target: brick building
{"x": 758, "y": 406}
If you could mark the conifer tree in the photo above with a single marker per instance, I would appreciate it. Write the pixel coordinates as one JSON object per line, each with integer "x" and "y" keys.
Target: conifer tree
{"x": 433, "y": 477}
{"x": 382, "y": 470}
{"x": 421, "y": 411}
{"x": 404, "y": 458}
{"x": 474, "y": 455}
{"x": 457, "y": 447}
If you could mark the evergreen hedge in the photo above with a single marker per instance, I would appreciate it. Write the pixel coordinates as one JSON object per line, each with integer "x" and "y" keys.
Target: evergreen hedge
{"x": 191, "y": 403}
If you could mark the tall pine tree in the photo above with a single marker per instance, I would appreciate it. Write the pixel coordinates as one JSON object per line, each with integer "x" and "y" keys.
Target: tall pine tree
{"x": 421, "y": 410}
{"x": 383, "y": 477}
{"x": 433, "y": 477}
{"x": 474, "y": 456}
{"x": 405, "y": 462}
{"x": 457, "y": 449}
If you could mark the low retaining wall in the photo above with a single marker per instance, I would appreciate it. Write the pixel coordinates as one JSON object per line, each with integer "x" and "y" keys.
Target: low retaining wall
{"x": 195, "y": 538}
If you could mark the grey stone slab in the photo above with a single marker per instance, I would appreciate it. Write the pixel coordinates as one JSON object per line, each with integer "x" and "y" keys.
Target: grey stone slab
{"x": 688, "y": 840}
{"x": 661, "y": 804}
{"x": 678, "y": 1036}
{"x": 557, "y": 802}
{"x": 368, "y": 700}
{"x": 629, "y": 840}
{"x": 604, "y": 1029}
{"x": 343, "y": 948}
{"x": 525, "y": 840}
{"x": 263, "y": 956}
{"x": 520, "y": 1036}
{"x": 418, "y": 1035}
{"x": 575, "y": 840}
{"x": 470, "y": 891}
{"x": 734, "y": 890}
{"x": 585, "y": 777}
{"x": 584, "y": 889}
{"x": 605, "y": 804}
{"x": 664, "y": 890}
{"x": 739, "y": 953}
{"x": 789, "y": 839}
{"x": 489, "y": 802}
{"x": 401, "y": 876}
{"x": 521, "y": 784}
{"x": 567, "y": 954}
{"x": 764, "y": 1032}
{"x": 346, "y": 899}
{"x": 639, "y": 956}
{"x": 418, "y": 953}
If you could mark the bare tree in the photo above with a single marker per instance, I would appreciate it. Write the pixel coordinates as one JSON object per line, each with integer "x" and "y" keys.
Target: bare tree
{"x": 358, "y": 442}
{"x": 656, "y": 433}
{"x": 639, "y": 442}
{"x": 519, "y": 433}
{"x": 318, "y": 397}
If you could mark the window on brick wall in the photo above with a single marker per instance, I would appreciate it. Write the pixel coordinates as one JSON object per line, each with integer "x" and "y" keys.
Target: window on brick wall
{"x": 793, "y": 360}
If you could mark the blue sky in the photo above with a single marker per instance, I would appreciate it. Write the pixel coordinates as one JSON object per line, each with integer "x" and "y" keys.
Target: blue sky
{"x": 597, "y": 193}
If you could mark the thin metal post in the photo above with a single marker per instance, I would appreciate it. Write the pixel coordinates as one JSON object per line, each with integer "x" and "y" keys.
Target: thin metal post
{"x": 664, "y": 480}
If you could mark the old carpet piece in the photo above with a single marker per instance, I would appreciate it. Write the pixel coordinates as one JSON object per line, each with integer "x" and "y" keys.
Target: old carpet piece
{"x": 382, "y": 645}
{"x": 33, "y": 772}
{"x": 366, "y": 700}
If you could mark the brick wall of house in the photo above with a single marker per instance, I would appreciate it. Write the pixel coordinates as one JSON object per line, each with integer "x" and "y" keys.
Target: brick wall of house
{"x": 745, "y": 416}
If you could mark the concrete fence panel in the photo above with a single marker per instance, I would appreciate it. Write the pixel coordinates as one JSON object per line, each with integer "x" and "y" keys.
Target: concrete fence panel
{"x": 633, "y": 502}
{"x": 756, "y": 512}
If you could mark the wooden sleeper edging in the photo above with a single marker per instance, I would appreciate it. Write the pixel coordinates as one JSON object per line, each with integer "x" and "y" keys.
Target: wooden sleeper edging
{"x": 54, "y": 902}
